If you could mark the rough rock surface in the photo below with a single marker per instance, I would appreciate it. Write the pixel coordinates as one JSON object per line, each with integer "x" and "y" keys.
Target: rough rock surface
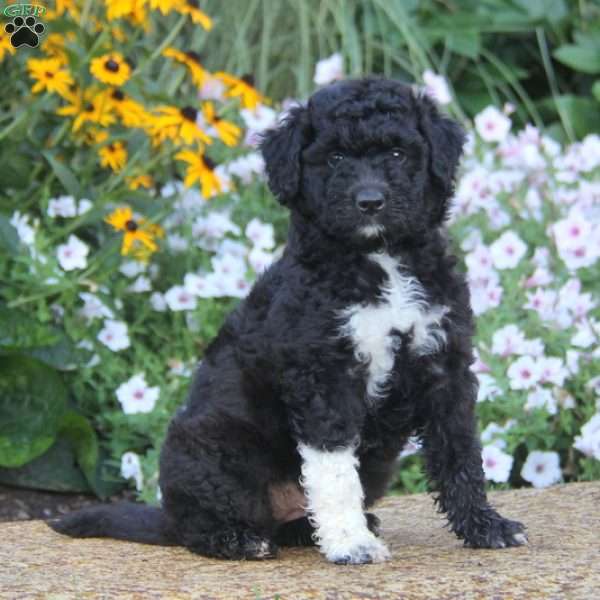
{"x": 561, "y": 562}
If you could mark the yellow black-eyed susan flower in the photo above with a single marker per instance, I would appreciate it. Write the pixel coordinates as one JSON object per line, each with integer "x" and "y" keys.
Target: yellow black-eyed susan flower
{"x": 242, "y": 88}
{"x": 178, "y": 124}
{"x": 138, "y": 234}
{"x": 139, "y": 181}
{"x": 117, "y": 9}
{"x": 111, "y": 68}
{"x": 90, "y": 106}
{"x": 202, "y": 169}
{"x": 54, "y": 47}
{"x": 228, "y": 132}
{"x": 165, "y": 6}
{"x": 192, "y": 61}
{"x": 94, "y": 136}
{"x": 61, "y": 7}
{"x": 5, "y": 46}
{"x": 192, "y": 8}
{"x": 113, "y": 155}
{"x": 131, "y": 113}
{"x": 50, "y": 76}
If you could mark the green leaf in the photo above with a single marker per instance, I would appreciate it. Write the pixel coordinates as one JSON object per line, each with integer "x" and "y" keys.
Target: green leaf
{"x": 64, "y": 175}
{"x": 466, "y": 43}
{"x": 9, "y": 239}
{"x": 19, "y": 331}
{"x": 596, "y": 89}
{"x": 56, "y": 470}
{"x": 582, "y": 112}
{"x": 61, "y": 355}
{"x": 580, "y": 58}
{"x": 33, "y": 401}
{"x": 77, "y": 429}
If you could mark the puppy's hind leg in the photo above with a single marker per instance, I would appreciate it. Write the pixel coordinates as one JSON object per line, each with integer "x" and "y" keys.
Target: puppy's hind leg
{"x": 215, "y": 493}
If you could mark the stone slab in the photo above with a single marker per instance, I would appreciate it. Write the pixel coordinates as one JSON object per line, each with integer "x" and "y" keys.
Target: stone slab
{"x": 562, "y": 560}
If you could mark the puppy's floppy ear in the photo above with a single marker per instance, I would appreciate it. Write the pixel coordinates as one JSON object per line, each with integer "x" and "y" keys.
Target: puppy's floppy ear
{"x": 282, "y": 148}
{"x": 445, "y": 138}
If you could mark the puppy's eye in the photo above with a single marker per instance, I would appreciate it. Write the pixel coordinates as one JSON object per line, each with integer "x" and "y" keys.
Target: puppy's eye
{"x": 398, "y": 154}
{"x": 334, "y": 159}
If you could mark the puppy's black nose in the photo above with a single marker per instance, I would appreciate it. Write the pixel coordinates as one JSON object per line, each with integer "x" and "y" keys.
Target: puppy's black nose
{"x": 370, "y": 201}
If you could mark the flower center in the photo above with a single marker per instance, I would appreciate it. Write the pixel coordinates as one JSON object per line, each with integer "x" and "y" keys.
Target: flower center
{"x": 248, "y": 78}
{"x": 49, "y": 75}
{"x": 193, "y": 56}
{"x": 193, "y": 3}
{"x": 209, "y": 163}
{"x": 131, "y": 225}
{"x": 89, "y": 107}
{"x": 118, "y": 95}
{"x": 138, "y": 394}
{"x": 539, "y": 468}
{"x": 189, "y": 113}
{"x": 111, "y": 65}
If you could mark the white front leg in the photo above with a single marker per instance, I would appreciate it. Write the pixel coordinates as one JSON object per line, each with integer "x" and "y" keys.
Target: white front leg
{"x": 335, "y": 497}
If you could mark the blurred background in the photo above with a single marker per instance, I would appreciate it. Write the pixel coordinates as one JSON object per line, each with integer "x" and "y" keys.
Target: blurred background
{"x": 134, "y": 215}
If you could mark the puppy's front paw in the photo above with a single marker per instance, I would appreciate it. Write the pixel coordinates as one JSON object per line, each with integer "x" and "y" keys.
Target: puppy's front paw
{"x": 501, "y": 533}
{"x": 370, "y": 550}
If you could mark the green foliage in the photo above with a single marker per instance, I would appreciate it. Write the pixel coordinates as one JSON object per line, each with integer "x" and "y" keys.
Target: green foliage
{"x": 542, "y": 56}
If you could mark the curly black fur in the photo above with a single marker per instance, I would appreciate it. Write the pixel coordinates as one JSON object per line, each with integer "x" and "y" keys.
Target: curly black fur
{"x": 279, "y": 373}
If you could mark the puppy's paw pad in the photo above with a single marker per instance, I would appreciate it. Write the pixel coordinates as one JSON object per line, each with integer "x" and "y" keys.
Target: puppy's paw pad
{"x": 520, "y": 539}
{"x": 502, "y": 533}
{"x": 362, "y": 554}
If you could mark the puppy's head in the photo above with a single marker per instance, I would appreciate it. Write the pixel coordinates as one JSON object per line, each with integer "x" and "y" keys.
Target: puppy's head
{"x": 365, "y": 159}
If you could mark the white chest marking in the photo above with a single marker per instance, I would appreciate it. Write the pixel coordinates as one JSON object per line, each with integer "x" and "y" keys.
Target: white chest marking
{"x": 403, "y": 307}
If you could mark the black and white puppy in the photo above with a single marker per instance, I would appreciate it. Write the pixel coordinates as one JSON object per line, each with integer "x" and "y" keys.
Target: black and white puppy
{"x": 358, "y": 337}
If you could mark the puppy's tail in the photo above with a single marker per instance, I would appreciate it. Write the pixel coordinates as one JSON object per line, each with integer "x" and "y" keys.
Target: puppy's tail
{"x": 123, "y": 521}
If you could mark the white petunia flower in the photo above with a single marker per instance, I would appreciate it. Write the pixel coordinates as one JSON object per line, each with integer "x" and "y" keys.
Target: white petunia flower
{"x": 492, "y": 125}
{"x": 542, "y": 469}
{"x": 488, "y": 388}
{"x": 262, "y": 235}
{"x": 158, "y": 302}
{"x": 493, "y": 432}
{"x": 94, "y": 308}
{"x": 140, "y": 285}
{"x": 84, "y": 206}
{"x": 541, "y": 398}
{"x": 437, "y": 87}
{"x": 135, "y": 396}
{"x": 508, "y": 340}
{"x": 260, "y": 260}
{"x": 228, "y": 265}
{"x": 132, "y": 469}
{"x": 73, "y": 254}
{"x": 508, "y": 250}
{"x": 523, "y": 373}
{"x": 496, "y": 464}
{"x": 329, "y": 69}
{"x": 260, "y": 118}
{"x": 588, "y": 441}
{"x": 247, "y": 167}
{"x": 132, "y": 268}
{"x": 179, "y": 298}
{"x": 114, "y": 335}
{"x": 25, "y": 231}
{"x": 63, "y": 206}
{"x": 552, "y": 370}
{"x": 203, "y": 286}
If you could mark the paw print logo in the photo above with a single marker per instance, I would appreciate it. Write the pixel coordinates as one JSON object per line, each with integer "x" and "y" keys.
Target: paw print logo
{"x": 25, "y": 31}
